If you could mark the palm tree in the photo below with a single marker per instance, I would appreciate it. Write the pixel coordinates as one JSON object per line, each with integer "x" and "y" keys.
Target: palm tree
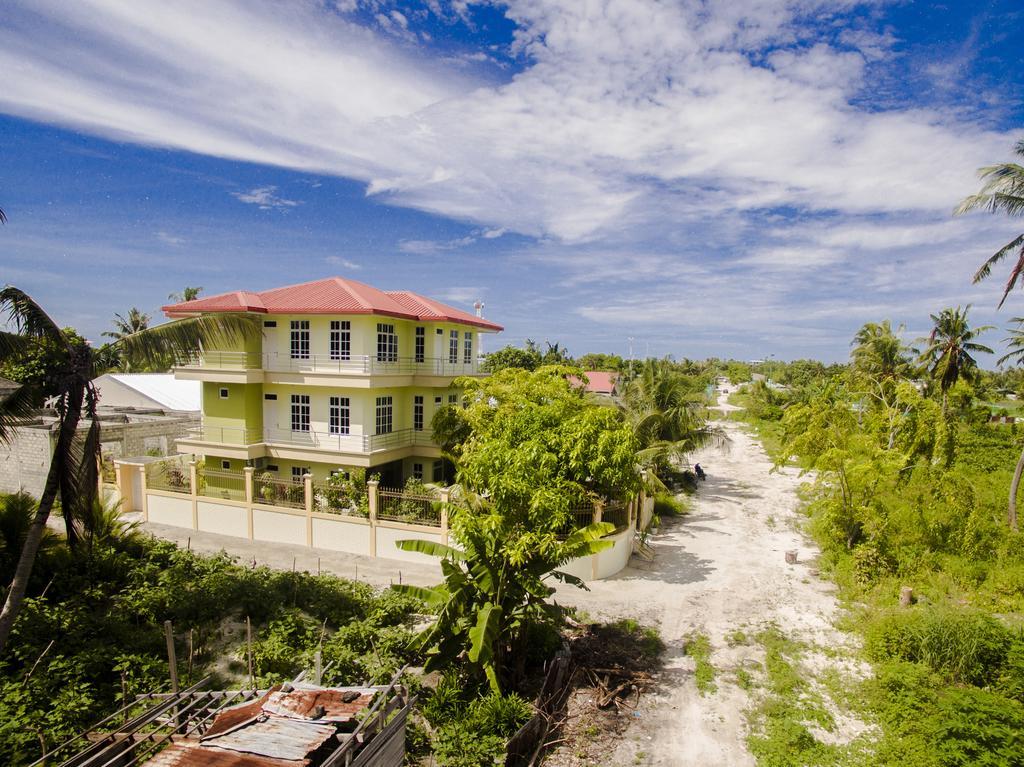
{"x": 1015, "y": 341}
{"x": 188, "y": 294}
{"x": 136, "y": 321}
{"x": 950, "y": 344}
{"x": 1002, "y": 192}
{"x": 74, "y": 465}
{"x": 665, "y": 413}
{"x": 880, "y": 352}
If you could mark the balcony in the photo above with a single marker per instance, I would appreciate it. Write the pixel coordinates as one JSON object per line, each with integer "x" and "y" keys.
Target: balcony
{"x": 362, "y": 366}
{"x": 238, "y": 442}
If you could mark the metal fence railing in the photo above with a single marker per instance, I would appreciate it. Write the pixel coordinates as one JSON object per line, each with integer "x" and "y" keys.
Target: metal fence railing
{"x": 413, "y": 507}
{"x": 171, "y": 476}
{"x": 331, "y": 499}
{"x": 616, "y": 514}
{"x": 268, "y": 489}
{"x": 580, "y": 516}
{"x": 223, "y": 483}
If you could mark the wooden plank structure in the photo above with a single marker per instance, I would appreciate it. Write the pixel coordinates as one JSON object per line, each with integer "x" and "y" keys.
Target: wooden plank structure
{"x": 290, "y": 725}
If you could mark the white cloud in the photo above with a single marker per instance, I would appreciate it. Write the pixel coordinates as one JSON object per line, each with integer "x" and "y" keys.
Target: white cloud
{"x": 265, "y": 198}
{"x": 342, "y": 262}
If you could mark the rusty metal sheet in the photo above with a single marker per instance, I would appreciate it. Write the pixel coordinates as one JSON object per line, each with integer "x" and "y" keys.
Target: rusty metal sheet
{"x": 321, "y": 704}
{"x": 235, "y": 716}
{"x": 194, "y": 755}
{"x": 275, "y": 736}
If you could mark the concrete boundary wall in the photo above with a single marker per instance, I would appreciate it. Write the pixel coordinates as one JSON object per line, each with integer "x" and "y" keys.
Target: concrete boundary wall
{"x": 336, "y": 532}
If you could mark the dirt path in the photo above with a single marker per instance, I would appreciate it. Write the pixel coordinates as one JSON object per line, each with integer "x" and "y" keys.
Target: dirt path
{"x": 719, "y": 570}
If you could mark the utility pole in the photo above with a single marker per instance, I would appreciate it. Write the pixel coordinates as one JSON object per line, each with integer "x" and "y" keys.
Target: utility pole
{"x": 630, "y": 356}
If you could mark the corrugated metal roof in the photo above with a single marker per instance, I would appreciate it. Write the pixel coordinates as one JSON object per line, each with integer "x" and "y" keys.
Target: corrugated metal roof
{"x": 333, "y": 295}
{"x": 333, "y": 704}
{"x": 163, "y": 389}
{"x": 275, "y": 736}
{"x": 193, "y": 755}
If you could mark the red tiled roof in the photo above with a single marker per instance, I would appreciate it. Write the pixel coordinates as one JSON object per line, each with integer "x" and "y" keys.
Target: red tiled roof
{"x": 599, "y": 381}
{"x": 333, "y": 295}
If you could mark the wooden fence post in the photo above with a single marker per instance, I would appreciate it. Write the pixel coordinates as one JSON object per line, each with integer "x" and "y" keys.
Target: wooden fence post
{"x": 307, "y": 480}
{"x": 193, "y": 483}
{"x": 248, "y": 471}
{"x": 372, "y": 498}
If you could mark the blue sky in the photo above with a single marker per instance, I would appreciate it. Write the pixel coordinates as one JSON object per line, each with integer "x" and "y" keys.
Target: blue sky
{"x": 709, "y": 178}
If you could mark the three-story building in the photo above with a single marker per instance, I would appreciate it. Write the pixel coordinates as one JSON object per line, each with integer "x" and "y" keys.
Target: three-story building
{"x": 344, "y": 375}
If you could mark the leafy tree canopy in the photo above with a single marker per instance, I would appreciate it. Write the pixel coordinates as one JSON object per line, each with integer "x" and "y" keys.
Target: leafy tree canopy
{"x": 42, "y": 366}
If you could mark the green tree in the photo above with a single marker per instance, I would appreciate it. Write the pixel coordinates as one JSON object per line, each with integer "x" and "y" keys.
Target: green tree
{"x": 879, "y": 352}
{"x": 494, "y": 597}
{"x": 950, "y": 346}
{"x": 665, "y": 410}
{"x": 187, "y": 294}
{"x": 1015, "y": 342}
{"x": 125, "y": 325}
{"x": 600, "y": 361}
{"x": 75, "y": 461}
{"x": 1002, "y": 192}
{"x": 512, "y": 357}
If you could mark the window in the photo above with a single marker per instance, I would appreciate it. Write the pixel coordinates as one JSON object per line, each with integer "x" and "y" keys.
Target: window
{"x": 342, "y": 473}
{"x": 421, "y": 344}
{"x": 467, "y": 348}
{"x": 223, "y": 393}
{"x": 270, "y": 396}
{"x": 341, "y": 340}
{"x": 453, "y": 347}
{"x": 300, "y": 412}
{"x": 387, "y": 343}
{"x": 300, "y": 340}
{"x": 298, "y": 474}
{"x": 453, "y": 399}
{"x": 383, "y": 415}
{"x": 270, "y": 323}
{"x": 338, "y": 417}
{"x": 417, "y": 471}
{"x": 417, "y": 413}
{"x": 225, "y": 465}
{"x": 438, "y": 475}
{"x": 440, "y": 332}
{"x": 272, "y": 467}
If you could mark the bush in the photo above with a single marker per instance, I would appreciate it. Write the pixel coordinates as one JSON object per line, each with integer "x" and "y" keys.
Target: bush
{"x": 475, "y": 735}
{"x": 667, "y": 505}
{"x": 965, "y": 647}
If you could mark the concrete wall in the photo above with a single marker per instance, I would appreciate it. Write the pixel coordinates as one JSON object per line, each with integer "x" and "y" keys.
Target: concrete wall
{"x": 222, "y": 518}
{"x": 339, "y": 533}
{"x": 25, "y": 461}
{"x": 169, "y": 508}
{"x": 278, "y": 526}
{"x": 387, "y": 536}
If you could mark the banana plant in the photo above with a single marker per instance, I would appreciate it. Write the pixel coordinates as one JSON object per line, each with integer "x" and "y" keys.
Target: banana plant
{"x": 493, "y": 592}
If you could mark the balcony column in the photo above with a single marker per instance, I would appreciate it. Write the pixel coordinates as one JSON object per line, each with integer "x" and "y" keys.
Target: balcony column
{"x": 249, "y": 471}
{"x": 371, "y": 497}
{"x": 307, "y": 480}
{"x": 446, "y": 495}
{"x": 193, "y": 485}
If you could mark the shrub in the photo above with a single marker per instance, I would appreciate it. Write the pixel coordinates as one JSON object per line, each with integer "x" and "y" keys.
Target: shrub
{"x": 667, "y": 505}
{"x": 965, "y": 647}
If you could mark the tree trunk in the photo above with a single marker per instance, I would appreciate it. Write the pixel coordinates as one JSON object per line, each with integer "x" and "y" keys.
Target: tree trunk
{"x": 19, "y": 584}
{"x": 1011, "y": 514}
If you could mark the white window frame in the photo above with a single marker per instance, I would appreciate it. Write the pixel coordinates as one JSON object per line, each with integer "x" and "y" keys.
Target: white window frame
{"x": 453, "y": 347}
{"x": 467, "y": 347}
{"x": 300, "y": 413}
{"x": 421, "y": 345}
{"x": 341, "y": 340}
{"x": 384, "y": 415}
{"x": 298, "y": 348}
{"x": 339, "y": 415}
{"x": 387, "y": 342}
{"x": 417, "y": 413}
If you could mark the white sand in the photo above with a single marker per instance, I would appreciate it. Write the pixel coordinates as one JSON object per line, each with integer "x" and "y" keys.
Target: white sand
{"x": 718, "y": 570}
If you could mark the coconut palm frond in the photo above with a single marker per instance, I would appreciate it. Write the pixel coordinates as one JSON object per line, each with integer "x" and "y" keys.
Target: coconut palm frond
{"x": 183, "y": 338}
{"x": 15, "y": 408}
{"x": 28, "y": 317}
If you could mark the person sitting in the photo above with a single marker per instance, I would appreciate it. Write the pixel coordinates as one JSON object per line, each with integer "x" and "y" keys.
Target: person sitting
{"x": 699, "y": 472}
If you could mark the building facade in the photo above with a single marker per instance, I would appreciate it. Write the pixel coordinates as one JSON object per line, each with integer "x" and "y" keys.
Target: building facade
{"x": 344, "y": 376}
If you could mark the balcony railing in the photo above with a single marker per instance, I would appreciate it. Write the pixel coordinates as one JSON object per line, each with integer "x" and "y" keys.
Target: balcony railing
{"x": 317, "y": 440}
{"x": 322, "y": 363}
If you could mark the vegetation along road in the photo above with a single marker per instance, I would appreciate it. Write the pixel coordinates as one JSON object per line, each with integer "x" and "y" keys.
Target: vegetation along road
{"x": 725, "y": 601}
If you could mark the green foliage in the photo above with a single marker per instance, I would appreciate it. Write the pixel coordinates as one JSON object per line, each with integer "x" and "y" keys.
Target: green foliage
{"x": 667, "y": 504}
{"x": 512, "y": 357}
{"x": 698, "y": 647}
{"x": 43, "y": 366}
{"x": 104, "y": 611}
{"x": 597, "y": 361}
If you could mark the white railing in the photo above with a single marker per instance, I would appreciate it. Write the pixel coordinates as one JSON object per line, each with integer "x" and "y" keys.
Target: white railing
{"x": 361, "y": 364}
{"x": 348, "y": 443}
{"x": 225, "y": 435}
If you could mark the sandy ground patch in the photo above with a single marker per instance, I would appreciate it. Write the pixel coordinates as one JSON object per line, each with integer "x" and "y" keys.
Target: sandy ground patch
{"x": 718, "y": 571}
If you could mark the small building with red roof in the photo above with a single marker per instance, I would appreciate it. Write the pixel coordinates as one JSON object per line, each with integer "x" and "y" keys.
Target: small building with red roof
{"x": 598, "y": 382}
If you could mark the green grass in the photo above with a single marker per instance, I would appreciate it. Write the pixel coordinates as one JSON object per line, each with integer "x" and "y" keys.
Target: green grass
{"x": 698, "y": 647}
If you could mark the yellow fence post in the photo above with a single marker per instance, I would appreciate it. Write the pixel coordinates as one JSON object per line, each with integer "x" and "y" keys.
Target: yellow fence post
{"x": 371, "y": 497}
{"x": 193, "y": 483}
{"x": 446, "y": 495}
{"x": 124, "y": 488}
{"x": 249, "y": 471}
{"x": 142, "y": 484}
{"x": 307, "y": 480}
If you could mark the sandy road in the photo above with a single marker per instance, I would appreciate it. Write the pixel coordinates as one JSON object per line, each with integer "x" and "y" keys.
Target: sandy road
{"x": 718, "y": 570}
